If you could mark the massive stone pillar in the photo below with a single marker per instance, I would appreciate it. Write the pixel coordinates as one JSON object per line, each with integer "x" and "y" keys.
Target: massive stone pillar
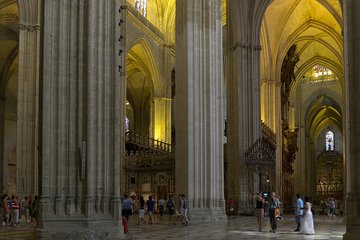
{"x": 82, "y": 122}
{"x": 243, "y": 115}
{"x": 198, "y": 108}
{"x": 352, "y": 110}
{"x": 27, "y": 110}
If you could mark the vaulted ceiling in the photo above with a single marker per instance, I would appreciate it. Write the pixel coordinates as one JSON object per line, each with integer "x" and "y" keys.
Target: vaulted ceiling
{"x": 315, "y": 26}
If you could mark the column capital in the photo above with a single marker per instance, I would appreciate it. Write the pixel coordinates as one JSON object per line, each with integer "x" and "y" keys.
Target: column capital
{"x": 160, "y": 99}
{"x": 244, "y": 45}
{"x": 29, "y": 28}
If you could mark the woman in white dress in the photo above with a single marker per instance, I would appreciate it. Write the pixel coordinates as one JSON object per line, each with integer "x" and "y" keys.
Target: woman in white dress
{"x": 308, "y": 226}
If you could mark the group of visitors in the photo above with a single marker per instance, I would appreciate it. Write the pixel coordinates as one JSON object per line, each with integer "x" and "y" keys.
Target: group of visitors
{"x": 12, "y": 210}
{"x": 303, "y": 213}
{"x": 177, "y": 212}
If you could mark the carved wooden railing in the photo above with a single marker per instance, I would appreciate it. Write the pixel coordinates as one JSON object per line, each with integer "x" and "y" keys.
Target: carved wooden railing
{"x": 151, "y": 154}
{"x": 148, "y": 142}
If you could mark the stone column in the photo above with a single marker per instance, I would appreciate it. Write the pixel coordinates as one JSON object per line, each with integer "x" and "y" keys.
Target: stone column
{"x": 352, "y": 119}
{"x": 27, "y": 110}
{"x": 82, "y": 120}
{"x": 268, "y": 104}
{"x": 244, "y": 126}
{"x": 198, "y": 108}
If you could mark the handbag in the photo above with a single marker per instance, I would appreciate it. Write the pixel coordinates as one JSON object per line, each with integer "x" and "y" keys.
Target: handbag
{"x": 277, "y": 212}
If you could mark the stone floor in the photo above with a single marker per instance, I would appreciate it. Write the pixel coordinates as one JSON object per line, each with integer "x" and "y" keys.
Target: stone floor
{"x": 236, "y": 228}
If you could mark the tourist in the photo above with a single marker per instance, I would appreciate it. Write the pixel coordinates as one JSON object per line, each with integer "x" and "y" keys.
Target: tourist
{"x": 150, "y": 208}
{"x": 127, "y": 207}
{"x": 14, "y": 211}
{"x": 274, "y": 204}
{"x": 25, "y": 208}
{"x": 332, "y": 208}
{"x": 35, "y": 211}
{"x": 170, "y": 205}
{"x": 6, "y": 210}
{"x": 141, "y": 210}
{"x": 299, "y": 212}
{"x": 308, "y": 227}
{"x": 259, "y": 210}
{"x": 184, "y": 209}
{"x": 161, "y": 206}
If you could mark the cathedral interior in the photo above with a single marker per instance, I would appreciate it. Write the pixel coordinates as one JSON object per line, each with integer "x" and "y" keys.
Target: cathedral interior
{"x": 217, "y": 99}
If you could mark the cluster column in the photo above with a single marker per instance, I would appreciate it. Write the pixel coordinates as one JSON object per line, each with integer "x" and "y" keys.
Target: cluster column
{"x": 28, "y": 92}
{"x": 199, "y": 119}
{"x": 352, "y": 110}
{"x": 82, "y": 119}
{"x": 243, "y": 98}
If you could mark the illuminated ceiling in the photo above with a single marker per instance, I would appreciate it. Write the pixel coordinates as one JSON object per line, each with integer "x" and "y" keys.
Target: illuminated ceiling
{"x": 313, "y": 25}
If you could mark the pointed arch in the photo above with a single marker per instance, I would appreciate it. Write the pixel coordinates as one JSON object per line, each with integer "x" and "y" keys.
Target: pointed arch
{"x": 151, "y": 66}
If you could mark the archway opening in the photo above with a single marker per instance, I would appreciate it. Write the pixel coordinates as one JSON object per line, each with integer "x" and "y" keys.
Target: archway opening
{"x": 301, "y": 59}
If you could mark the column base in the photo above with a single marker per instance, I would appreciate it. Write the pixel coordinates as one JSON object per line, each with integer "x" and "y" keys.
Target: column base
{"x": 199, "y": 215}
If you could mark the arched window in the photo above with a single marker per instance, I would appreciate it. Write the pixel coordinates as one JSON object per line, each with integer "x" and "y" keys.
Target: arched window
{"x": 140, "y": 5}
{"x": 329, "y": 145}
{"x": 321, "y": 71}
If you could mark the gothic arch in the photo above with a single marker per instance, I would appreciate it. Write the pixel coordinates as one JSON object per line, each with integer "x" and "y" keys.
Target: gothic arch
{"x": 151, "y": 65}
{"x": 309, "y": 64}
{"x": 294, "y": 38}
{"x": 323, "y": 103}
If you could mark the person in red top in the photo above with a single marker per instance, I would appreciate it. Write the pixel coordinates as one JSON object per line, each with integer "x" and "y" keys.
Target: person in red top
{"x": 14, "y": 211}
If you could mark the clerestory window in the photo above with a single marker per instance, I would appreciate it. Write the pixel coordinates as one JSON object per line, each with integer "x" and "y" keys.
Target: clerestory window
{"x": 140, "y": 5}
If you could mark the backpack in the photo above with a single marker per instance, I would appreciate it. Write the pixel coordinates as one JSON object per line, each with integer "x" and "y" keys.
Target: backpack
{"x": 169, "y": 204}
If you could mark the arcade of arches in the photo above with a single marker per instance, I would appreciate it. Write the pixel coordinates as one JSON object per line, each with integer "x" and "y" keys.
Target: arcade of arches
{"x": 102, "y": 98}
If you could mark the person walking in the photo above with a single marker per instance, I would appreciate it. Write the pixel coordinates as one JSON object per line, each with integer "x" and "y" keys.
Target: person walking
{"x": 161, "y": 203}
{"x": 308, "y": 227}
{"x": 259, "y": 210}
{"x": 25, "y": 208}
{"x": 127, "y": 207}
{"x": 274, "y": 204}
{"x": 141, "y": 210}
{"x": 332, "y": 208}
{"x": 299, "y": 212}
{"x": 6, "y": 210}
{"x": 150, "y": 208}
{"x": 184, "y": 210}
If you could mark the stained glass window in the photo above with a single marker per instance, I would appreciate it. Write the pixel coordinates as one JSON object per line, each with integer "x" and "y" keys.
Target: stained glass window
{"x": 321, "y": 71}
{"x": 127, "y": 124}
{"x": 140, "y": 5}
{"x": 329, "y": 141}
